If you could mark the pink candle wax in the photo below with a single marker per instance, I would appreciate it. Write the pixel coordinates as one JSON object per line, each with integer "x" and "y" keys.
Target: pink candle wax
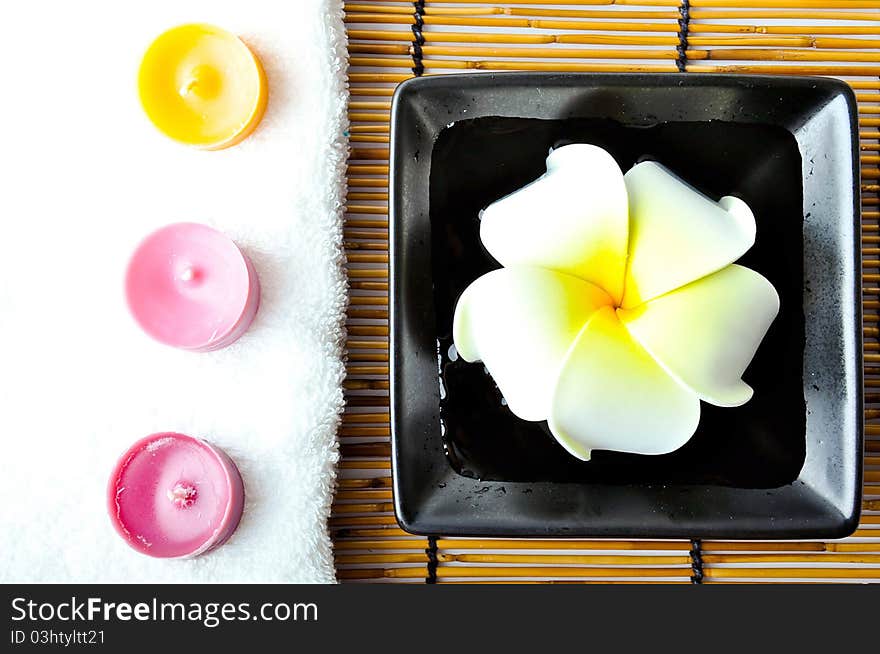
{"x": 189, "y": 286}
{"x": 172, "y": 495}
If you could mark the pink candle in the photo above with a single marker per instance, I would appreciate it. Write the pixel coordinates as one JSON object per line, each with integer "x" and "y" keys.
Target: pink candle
{"x": 173, "y": 496}
{"x": 189, "y": 286}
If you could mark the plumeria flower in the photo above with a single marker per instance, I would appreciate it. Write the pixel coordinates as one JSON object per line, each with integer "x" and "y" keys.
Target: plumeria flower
{"x": 618, "y": 307}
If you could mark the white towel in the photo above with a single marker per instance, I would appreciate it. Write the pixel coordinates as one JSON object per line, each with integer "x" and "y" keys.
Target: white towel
{"x": 83, "y": 177}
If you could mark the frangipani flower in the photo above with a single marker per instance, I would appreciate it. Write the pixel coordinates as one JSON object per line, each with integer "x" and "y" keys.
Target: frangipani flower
{"x": 618, "y": 307}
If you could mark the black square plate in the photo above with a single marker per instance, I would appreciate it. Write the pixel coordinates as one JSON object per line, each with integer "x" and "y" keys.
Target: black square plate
{"x": 785, "y": 465}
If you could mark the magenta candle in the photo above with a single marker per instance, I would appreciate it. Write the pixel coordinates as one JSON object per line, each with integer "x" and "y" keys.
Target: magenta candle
{"x": 191, "y": 287}
{"x": 173, "y": 496}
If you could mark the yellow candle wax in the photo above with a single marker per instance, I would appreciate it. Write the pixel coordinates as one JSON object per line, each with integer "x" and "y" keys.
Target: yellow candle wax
{"x": 202, "y": 86}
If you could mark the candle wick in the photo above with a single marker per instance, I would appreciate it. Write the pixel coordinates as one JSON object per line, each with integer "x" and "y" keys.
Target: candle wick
{"x": 190, "y": 86}
{"x": 183, "y": 495}
{"x": 203, "y": 82}
{"x": 188, "y": 274}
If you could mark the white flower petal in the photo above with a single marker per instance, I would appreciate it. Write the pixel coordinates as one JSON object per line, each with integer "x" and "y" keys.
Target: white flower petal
{"x": 521, "y": 321}
{"x": 573, "y": 219}
{"x": 612, "y": 395}
{"x": 677, "y": 234}
{"x": 706, "y": 333}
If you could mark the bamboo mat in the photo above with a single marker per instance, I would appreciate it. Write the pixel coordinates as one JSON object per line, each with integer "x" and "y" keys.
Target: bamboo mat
{"x": 389, "y": 39}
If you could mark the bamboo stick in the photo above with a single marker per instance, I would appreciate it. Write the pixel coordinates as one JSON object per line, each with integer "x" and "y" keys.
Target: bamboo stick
{"x": 372, "y": 314}
{"x": 368, "y": 182}
{"x": 383, "y": 301}
{"x": 542, "y": 560}
{"x": 367, "y": 384}
{"x": 468, "y": 571}
{"x": 404, "y": 37}
{"x": 768, "y": 69}
{"x": 368, "y": 195}
{"x": 584, "y": 582}
{"x": 344, "y": 521}
{"x": 408, "y": 10}
{"x": 368, "y": 273}
{"x": 517, "y": 544}
{"x": 369, "y": 234}
{"x": 367, "y": 169}
{"x": 490, "y": 10}
{"x": 781, "y": 55}
{"x": 742, "y": 11}
{"x": 370, "y": 153}
{"x": 366, "y": 345}
{"x": 769, "y": 4}
{"x": 361, "y": 495}
{"x": 380, "y": 531}
{"x": 363, "y": 117}
{"x": 549, "y": 66}
{"x": 365, "y": 138}
{"x": 360, "y": 221}
{"x": 822, "y": 558}
{"x": 474, "y": 21}
{"x": 360, "y": 246}
{"x": 402, "y": 45}
{"x": 375, "y": 78}
{"x": 369, "y": 286}
{"x": 368, "y": 105}
{"x": 367, "y": 418}
{"x": 367, "y": 400}
{"x": 368, "y": 357}
{"x": 358, "y": 91}
{"x": 740, "y": 35}
{"x": 359, "y": 559}
{"x": 379, "y": 507}
{"x": 532, "y": 38}
{"x": 359, "y": 574}
{"x": 364, "y": 431}
{"x": 355, "y": 257}
{"x": 372, "y": 482}
{"x": 698, "y": 28}
{"x": 867, "y": 532}
{"x": 793, "y": 573}
{"x": 567, "y": 559}
{"x": 670, "y": 26}
{"x": 545, "y": 53}
{"x": 368, "y": 450}
{"x": 798, "y": 14}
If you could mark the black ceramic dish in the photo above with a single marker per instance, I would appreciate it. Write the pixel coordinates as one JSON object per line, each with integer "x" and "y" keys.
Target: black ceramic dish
{"x": 785, "y": 465}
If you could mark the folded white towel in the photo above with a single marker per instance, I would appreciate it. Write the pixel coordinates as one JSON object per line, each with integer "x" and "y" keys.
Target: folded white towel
{"x": 83, "y": 177}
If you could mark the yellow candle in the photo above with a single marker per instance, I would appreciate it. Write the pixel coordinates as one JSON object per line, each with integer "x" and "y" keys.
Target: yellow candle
{"x": 202, "y": 86}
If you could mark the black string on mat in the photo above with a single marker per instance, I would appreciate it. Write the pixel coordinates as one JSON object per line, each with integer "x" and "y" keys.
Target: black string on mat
{"x": 431, "y": 552}
{"x": 696, "y": 562}
{"x": 684, "y": 10}
{"x": 418, "y": 38}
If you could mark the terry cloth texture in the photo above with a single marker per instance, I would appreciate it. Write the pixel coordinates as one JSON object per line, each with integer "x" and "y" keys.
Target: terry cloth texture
{"x": 84, "y": 177}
